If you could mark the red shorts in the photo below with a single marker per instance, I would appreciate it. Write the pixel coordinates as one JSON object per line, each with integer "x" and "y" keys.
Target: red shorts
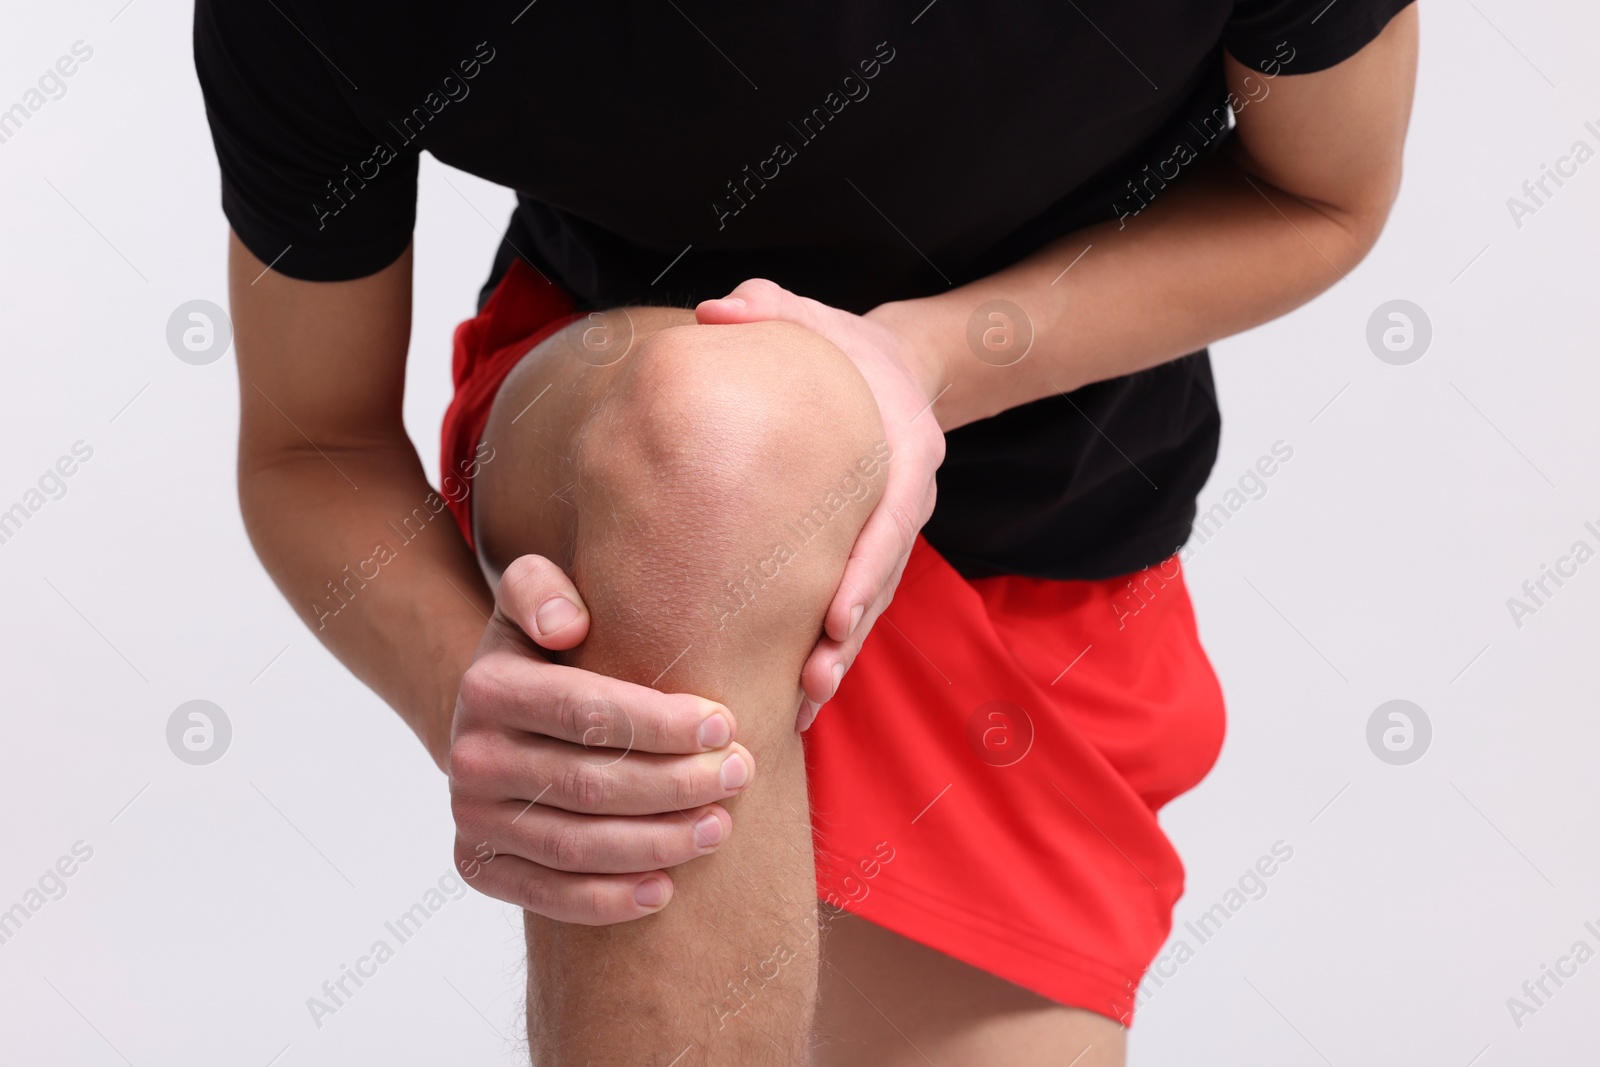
{"x": 987, "y": 779}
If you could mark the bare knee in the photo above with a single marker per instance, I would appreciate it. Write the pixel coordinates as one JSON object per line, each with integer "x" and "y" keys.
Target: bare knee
{"x": 720, "y": 482}
{"x": 730, "y": 468}
{"x": 719, "y": 409}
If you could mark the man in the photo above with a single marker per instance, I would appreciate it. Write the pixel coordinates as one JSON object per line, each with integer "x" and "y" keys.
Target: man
{"x": 994, "y": 237}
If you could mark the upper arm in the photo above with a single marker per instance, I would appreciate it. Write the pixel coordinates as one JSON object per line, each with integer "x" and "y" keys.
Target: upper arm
{"x": 1332, "y": 137}
{"x": 320, "y": 363}
{"x": 310, "y": 189}
{"x": 308, "y": 185}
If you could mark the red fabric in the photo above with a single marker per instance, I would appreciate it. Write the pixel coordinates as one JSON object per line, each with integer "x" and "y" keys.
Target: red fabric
{"x": 986, "y": 781}
{"x": 1008, "y": 741}
{"x": 524, "y": 309}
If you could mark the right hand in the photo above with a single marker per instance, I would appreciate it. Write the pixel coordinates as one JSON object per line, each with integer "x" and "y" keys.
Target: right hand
{"x": 905, "y": 378}
{"x": 571, "y": 790}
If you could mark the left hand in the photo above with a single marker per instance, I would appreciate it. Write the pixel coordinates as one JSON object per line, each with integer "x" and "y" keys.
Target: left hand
{"x": 905, "y": 381}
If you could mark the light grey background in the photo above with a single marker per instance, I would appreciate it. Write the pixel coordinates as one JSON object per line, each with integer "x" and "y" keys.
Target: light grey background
{"x": 1377, "y": 567}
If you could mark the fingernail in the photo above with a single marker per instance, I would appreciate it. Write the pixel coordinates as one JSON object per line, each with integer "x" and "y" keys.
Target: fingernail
{"x": 553, "y": 614}
{"x": 736, "y": 301}
{"x": 809, "y": 710}
{"x": 650, "y": 893}
{"x": 838, "y": 676}
{"x": 855, "y": 616}
{"x": 735, "y": 772}
{"x": 714, "y": 732}
{"x": 708, "y": 831}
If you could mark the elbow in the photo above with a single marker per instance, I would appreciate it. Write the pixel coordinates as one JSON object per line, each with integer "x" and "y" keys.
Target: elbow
{"x": 1364, "y": 220}
{"x": 1342, "y": 218}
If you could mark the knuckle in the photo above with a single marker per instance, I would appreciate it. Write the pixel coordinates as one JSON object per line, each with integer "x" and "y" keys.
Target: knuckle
{"x": 586, "y": 785}
{"x": 891, "y": 583}
{"x": 761, "y": 287}
{"x": 534, "y": 892}
{"x": 518, "y": 568}
{"x": 472, "y": 691}
{"x": 481, "y": 686}
{"x": 470, "y": 762}
{"x": 587, "y": 720}
{"x": 905, "y": 527}
{"x": 612, "y": 726}
{"x": 523, "y": 574}
{"x": 567, "y": 847}
{"x": 660, "y": 850}
{"x": 564, "y": 712}
{"x": 544, "y": 706}
{"x": 683, "y": 788}
{"x": 592, "y": 902}
{"x": 670, "y": 723}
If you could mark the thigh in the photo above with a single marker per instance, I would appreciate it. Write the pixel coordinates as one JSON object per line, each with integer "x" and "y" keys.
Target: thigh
{"x": 886, "y": 1001}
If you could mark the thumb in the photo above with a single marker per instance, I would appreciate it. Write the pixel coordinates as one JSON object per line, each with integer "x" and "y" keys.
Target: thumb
{"x": 539, "y": 598}
{"x": 756, "y": 300}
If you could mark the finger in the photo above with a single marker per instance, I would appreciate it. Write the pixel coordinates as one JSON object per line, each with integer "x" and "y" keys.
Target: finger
{"x": 602, "y": 782}
{"x": 809, "y": 710}
{"x": 512, "y": 692}
{"x": 759, "y": 299}
{"x": 887, "y": 537}
{"x": 541, "y": 600}
{"x": 831, "y": 660}
{"x": 587, "y": 899}
{"x": 599, "y": 844}
{"x": 828, "y": 662}
{"x": 882, "y": 547}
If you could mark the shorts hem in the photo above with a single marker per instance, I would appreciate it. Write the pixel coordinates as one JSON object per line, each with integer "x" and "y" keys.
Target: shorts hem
{"x": 1020, "y": 957}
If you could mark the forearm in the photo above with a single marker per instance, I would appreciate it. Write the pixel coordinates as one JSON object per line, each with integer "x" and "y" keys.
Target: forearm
{"x": 1214, "y": 254}
{"x": 368, "y": 556}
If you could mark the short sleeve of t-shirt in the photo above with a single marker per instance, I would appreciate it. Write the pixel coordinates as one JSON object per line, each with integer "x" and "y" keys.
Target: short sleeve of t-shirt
{"x": 1304, "y": 36}
{"x": 300, "y": 182}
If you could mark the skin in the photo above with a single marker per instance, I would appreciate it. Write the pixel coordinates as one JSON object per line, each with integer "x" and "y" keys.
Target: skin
{"x": 653, "y": 481}
{"x": 1294, "y": 202}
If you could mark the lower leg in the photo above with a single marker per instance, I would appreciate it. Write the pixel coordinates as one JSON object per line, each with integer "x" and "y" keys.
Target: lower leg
{"x": 686, "y": 470}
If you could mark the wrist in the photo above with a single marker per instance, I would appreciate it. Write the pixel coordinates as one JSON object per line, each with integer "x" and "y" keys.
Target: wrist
{"x": 922, "y": 349}
{"x": 933, "y": 335}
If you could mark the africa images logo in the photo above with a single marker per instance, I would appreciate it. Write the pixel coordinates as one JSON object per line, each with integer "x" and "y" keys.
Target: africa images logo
{"x": 855, "y": 89}
{"x": 1537, "y": 192}
{"x": 454, "y": 89}
{"x": 1142, "y": 188}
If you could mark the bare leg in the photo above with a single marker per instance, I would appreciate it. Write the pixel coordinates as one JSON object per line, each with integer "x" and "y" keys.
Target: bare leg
{"x": 699, "y": 493}
{"x": 887, "y": 1001}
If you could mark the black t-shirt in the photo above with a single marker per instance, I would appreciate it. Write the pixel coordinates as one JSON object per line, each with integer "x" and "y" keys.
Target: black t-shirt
{"x": 854, "y": 151}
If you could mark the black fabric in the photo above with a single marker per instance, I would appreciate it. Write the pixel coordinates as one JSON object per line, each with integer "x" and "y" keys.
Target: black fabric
{"x": 852, "y": 150}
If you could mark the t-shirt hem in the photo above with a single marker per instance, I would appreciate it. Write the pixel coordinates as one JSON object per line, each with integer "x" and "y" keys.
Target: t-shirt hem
{"x": 1369, "y": 22}
{"x": 1134, "y": 555}
{"x": 311, "y": 263}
